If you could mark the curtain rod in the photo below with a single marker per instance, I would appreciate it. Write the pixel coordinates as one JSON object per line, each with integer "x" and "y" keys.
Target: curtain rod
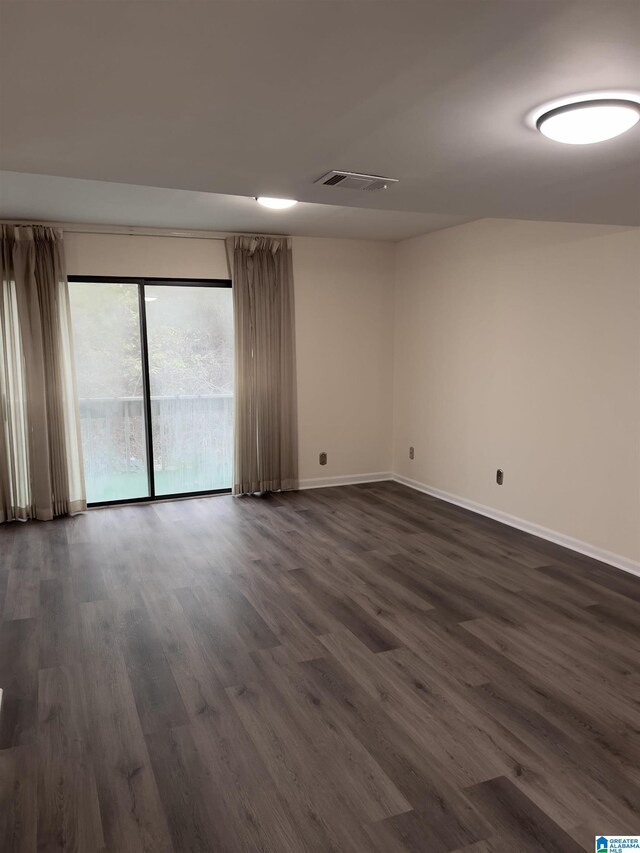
{"x": 138, "y": 230}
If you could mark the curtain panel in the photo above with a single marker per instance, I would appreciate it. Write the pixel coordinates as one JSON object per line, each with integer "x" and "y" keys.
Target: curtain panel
{"x": 41, "y": 473}
{"x": 266, "y": 434}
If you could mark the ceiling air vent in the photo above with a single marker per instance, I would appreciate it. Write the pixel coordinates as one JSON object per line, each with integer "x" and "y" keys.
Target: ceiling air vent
{"x": 355, "y": 181}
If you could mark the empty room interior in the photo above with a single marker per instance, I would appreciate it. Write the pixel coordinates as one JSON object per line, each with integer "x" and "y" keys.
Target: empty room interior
{"x": 320, "y": 431}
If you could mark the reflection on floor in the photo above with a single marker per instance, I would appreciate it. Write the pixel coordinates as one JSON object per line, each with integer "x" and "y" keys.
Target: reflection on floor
{"x": 360, "y": 670}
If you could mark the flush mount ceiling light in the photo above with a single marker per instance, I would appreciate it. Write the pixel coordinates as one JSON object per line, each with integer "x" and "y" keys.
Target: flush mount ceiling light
{"x": 276, "y": 203}
{"x": 585, "y": 121}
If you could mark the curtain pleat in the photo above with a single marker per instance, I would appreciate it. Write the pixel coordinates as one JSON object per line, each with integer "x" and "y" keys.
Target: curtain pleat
{"x": 40, "y": 451}
{"x": 265, "y": 448}
{"x": 15, "y": 492}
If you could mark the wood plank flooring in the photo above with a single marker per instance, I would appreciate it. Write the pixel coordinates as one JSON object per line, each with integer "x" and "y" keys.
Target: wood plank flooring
{"x": 360, "y": 669}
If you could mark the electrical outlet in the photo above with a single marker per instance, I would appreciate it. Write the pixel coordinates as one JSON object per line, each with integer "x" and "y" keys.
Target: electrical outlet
{"x": 499, "y": 476}
{"x": 323, "y": 458}
{"x": 412, "y": 453}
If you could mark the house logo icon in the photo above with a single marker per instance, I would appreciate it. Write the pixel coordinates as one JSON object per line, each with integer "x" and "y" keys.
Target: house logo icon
{"x": 602, "y": 845}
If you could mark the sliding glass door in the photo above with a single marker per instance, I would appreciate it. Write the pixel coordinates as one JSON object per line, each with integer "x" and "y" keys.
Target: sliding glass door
{"x": 155, "y": 386}
{"x": 108, "y": 350}
{"x": 190, "y": 340}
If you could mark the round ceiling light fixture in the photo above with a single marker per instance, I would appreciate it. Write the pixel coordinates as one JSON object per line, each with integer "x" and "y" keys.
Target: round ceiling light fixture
{"x": 585, "y": 121}
{"x": 276, "y": 203}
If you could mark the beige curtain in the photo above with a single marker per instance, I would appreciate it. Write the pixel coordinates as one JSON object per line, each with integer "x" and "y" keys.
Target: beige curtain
{"x": 266, "y": 435}
{"x": 41, "y": 473}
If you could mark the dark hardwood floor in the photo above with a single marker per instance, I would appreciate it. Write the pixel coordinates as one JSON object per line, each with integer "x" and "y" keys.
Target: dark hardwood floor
{"x": 359, "y": 670}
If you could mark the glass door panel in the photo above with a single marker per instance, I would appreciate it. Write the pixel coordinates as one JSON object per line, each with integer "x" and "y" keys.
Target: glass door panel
{"x": 108, "y": 352}
{"x": 190, "y": 356}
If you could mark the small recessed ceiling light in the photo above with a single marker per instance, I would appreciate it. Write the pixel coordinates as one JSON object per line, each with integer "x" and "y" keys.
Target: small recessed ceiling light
{"x": 584, "y": 122}
{"x": 276, "y": 203}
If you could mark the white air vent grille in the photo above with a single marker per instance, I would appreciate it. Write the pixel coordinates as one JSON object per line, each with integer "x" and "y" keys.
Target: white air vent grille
{"x": 355, "y": 181}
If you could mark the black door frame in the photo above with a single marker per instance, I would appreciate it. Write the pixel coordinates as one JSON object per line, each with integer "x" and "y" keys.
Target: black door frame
{"x": 146, "y": 381}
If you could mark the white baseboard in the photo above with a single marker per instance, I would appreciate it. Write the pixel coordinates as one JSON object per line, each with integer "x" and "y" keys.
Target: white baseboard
{"x": 346, "y": 480}
{"x": 585, "y": 548}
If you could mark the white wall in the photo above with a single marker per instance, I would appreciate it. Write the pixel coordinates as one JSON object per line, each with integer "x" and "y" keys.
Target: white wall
{"x": 344, "y": 305}
{"x": 135, "y": 256}
{"x": 517, "y": 345}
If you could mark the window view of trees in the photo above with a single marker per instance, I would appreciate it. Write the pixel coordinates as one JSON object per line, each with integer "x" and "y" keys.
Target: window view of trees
{"x": 190, "y": 343}
{"x": 190, "y": 334}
